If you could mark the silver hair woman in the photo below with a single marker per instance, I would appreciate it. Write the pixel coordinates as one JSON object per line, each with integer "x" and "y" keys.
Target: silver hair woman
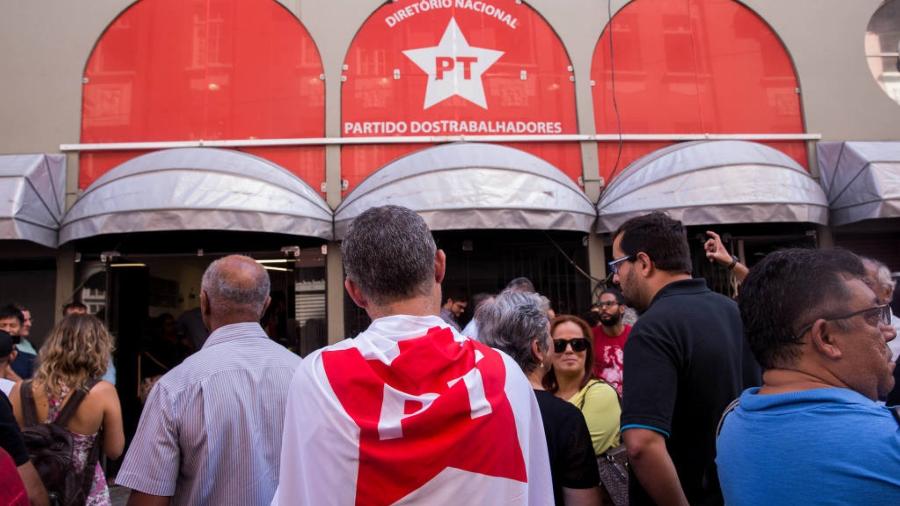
{"x": 516, "y": 323}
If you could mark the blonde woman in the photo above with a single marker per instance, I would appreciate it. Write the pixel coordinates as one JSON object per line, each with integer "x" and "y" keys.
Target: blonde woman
{"x": 76, "y": 354}
{"x": 570, "y": 379}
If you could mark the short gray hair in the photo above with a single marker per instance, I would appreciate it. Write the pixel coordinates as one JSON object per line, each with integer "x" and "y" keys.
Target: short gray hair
{"x": 884, "y": 277}
{"x": 511, "y": 322}
{"x": 237, "y": 283}
{"x": 881, "y": 272}
{"x": 389, "y": 254}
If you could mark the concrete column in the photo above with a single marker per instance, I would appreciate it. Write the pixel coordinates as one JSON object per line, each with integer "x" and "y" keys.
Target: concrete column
{"x": 335, "y": 289}
{"x": 65, "y": 280}
{"x": 596, "y": 260}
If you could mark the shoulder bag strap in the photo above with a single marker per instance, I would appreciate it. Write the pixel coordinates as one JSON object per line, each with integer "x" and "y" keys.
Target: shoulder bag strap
{"x": 896, "y": 412}
{"x": 728, "y": 409}
{"x": 94, "y": 454}
{"x": 584, "y": 397}
{"x": 598, "y": 381}
{"x": 29, "y": 408}
{"x": 74, "y": 401}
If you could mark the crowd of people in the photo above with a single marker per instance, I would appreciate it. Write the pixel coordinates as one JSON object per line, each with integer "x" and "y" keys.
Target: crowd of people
{"x": 782, "y": 396}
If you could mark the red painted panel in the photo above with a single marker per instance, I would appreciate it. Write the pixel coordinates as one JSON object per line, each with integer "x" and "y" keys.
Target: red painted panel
{"x": 459, "y": 66}
{"x": 692, "y": 66}
{"x": 205, "y": 69}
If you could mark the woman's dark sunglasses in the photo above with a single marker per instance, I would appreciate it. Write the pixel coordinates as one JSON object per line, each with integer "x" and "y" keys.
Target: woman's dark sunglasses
{"x": 578, "y": 344}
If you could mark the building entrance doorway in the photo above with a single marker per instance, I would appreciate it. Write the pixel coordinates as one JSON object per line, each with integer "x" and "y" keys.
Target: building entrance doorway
{"x": 486, "y": 260}
{"x": 149, "y": 297}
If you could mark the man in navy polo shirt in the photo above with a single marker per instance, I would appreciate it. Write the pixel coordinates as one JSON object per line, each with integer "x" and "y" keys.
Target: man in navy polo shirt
{"x": 686, "y": 360}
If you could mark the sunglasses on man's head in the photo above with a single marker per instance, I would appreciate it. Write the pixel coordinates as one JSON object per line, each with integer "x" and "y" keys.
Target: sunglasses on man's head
{"x": 578, "y": 344}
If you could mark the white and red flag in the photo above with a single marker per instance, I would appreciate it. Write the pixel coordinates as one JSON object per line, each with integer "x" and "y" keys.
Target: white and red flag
{"x": 411, "y": 412}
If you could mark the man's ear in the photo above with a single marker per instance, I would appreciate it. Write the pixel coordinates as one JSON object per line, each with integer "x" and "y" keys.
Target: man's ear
{"x": 440, "y": 266}
{"x": 204, "y": 302}
{"x": 265, "y": 306}
{"x": 643, "y": 264}
{"x": 355, "y": 293}
{"x": 823, "y": 341}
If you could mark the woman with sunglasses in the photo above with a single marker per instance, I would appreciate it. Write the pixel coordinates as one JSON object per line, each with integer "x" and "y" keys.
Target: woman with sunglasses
{"x": 570, "y": 379}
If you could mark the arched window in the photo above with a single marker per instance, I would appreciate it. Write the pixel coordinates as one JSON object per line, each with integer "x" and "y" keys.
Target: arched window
{"x": 176, "y": 70}
{"x": 441, "y": 68}
{"x": 691, "y": 67}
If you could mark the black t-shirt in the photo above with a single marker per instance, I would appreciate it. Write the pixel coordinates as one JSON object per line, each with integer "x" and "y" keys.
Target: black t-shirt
{"x": 686, "y": 359}
{"x": 10, "y": 436}
{"x": 572, "y": 461}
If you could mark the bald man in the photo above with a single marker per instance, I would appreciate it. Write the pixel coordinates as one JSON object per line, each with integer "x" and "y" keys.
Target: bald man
{"x": 210, "y": 432}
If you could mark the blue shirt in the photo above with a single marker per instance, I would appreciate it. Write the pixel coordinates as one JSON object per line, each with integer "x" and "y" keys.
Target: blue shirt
{"x": 822, "y": 446}
{"x": 210, "y": 432}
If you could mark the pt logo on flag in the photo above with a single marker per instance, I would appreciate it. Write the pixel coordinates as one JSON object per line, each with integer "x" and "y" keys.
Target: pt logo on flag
{"x": 454, "y": 67}
{"x": 439, "y": 404}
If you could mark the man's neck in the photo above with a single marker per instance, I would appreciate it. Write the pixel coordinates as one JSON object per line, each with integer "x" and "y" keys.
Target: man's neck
{"x": 217, "y": 323}
{"x": 614, "y": 331}
{"x": 781, "y": 381}
{"x": 416, "y": 306}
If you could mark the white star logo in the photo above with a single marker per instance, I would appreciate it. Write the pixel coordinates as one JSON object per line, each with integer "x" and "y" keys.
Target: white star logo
{"x": 454, "y": 67}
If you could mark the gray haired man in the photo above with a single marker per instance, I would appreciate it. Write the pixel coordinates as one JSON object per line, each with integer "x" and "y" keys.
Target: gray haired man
{"x": 410, "y": 411}
{"x": 211, "y": 430}
{"x": 878, "y": 277}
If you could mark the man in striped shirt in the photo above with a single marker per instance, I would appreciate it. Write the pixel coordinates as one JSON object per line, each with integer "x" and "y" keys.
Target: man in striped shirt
{"x": 210, "y": 432}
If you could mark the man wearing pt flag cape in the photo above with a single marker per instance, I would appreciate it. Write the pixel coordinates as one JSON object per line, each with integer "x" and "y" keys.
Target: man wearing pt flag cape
{"x": 409, "y": 411}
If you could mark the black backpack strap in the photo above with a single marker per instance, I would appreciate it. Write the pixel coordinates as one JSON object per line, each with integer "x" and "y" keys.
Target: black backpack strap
{"x": 68, "y": 411}
{"x": 896, "y": 412}
{"x": 90, "y": 464}
{"x": 29, "y": 409}
{"x": 728, "y": 409}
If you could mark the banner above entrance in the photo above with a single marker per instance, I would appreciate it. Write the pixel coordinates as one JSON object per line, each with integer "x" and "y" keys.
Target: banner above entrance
{"x": 32, "y": 197}
{"x": 474, "y": 186}
{"x": 714, "y": 182}
{"x": 456, "y": 67}
{"x": 198, "y": 189}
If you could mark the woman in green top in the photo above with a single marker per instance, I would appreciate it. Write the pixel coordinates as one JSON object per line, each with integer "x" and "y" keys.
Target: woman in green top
{"x": 570, "y": 379}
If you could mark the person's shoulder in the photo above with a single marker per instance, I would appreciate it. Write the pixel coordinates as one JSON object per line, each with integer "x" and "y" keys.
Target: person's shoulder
{"x": 103, "y": 388}
{"x": 277, "y": 351}
{"x": 601, "y": 390}
{"x": 717, "y": 299}
{"x": 870, "y": 430}
{"x": 556, "y": 407}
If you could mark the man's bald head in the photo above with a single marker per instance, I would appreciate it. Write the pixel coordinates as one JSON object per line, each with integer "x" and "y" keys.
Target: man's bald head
{"x": 236, "y": 288}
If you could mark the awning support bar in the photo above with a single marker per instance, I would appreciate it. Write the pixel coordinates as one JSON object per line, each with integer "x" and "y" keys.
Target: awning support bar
{"x": 424, "y": 139}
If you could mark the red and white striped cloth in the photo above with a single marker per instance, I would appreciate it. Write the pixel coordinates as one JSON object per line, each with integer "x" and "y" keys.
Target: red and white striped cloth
{"x": 410, "y": 411}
